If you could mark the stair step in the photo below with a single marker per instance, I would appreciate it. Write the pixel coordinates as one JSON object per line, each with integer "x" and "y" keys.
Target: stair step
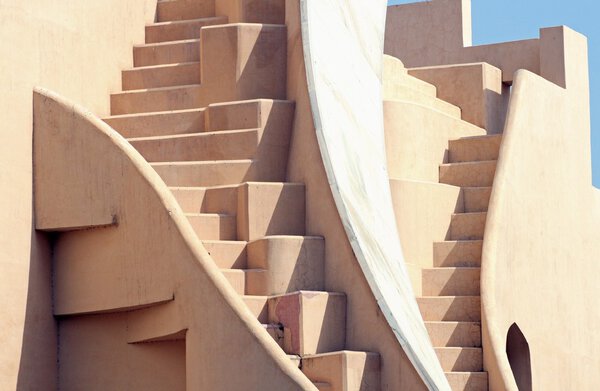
{"x": 219, "y": 199}
{"x": 467, "y": 226}
{"x": 450, "y": 308}
{"x": 207, "y": 146}
{"x": 469, "y": 174}
{"x": 395, "y": 75}
{"x": 321, "y": 386}
{"x": 460, "y": 359}
{"x": 227, "y": 254}
{"x": 293, "y": 262}
{"x": 398, "y": 82}
{"x": 468, "y": 381}
{"x": 250, "y": 282}
{"x": 476, "y": 199}
{"x": 213, "y": 226}
{"x": 451, "y": 281}
{"x": 267, "y": 209}
{"x": 344, "y": 370}
{"x": 454, "y": 334}
{"x": 263, "y": 11}
{"x": 159, "y": 123}
{"x": 157, "y": 99}
{"x": 184, "y": 9}
{"x": 461, "y": 253}
{"x": 202, "y": 174}
{"x": 249, "y": 114}
{"x": 180, "y": 29}
{"x": 258, "y": 307}
{"x": 478, "y": 148}
{"x": 314, "y": 322}
{"x": 406, "y": 94}
{"x": 156, "y": 76}
{"x": 174, "y": 52}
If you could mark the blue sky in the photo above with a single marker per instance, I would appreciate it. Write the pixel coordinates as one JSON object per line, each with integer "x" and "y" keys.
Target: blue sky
{"x": 510, "y": 20}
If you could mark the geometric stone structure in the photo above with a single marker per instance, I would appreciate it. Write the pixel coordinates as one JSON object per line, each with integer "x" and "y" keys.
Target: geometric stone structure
{"x": 174, "y": 217}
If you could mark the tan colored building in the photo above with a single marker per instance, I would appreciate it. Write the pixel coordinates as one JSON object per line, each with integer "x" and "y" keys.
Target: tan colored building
{"x": 251, "y": 195}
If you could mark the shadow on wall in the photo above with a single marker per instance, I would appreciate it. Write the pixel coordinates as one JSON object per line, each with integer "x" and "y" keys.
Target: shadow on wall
{"x": 38, "y": 361}
{"x": 517, "y": 350}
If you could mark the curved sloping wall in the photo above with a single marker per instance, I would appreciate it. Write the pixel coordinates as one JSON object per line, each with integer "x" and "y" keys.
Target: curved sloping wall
{"x": 542, "y": 241}
{"x": 343, "y": 48}
{"x": 150, "y": 263}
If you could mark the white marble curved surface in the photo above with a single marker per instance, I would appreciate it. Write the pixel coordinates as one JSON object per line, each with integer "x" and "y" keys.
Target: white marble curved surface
{"x": 343, "y": 49}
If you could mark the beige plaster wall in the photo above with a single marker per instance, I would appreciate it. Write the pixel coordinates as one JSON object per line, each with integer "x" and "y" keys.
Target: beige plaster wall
{"x": 542, "y": 246}
{"x": 438, "y": 32}
{"x": 476, "y": 88}
{"x": 77, "y": 48}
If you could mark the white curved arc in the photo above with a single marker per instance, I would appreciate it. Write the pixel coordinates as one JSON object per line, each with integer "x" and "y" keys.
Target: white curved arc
{"x": 343, "y": 60}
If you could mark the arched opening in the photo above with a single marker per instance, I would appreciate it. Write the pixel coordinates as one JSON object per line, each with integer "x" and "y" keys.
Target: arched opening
{"x": 517, "y": 350}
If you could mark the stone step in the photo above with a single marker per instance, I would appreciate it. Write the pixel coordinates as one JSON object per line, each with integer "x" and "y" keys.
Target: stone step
{"x": 402, "y": 93}
{"x": 454, "y": 334}
{"x": 230, "y": 71}
{"x": 451, "y": 281}
{"x": 207, "y": 146}
{"x": 467, "y": 226}
{"x": 156, "y": 124}
{"x": 478, "y": 148}
{"x": 180, "y": 29}
{"x": 476, "y": 199}
{"x": 469, "y": 174}
{"x": 158, "y": 99}
{"x": 322, "y": 386}
{"x": 266, "y": 209}
{"x": 170, "y": 10}
{"x": 292, "y": 263}
{"x": 213, "y": 226}
{"x": 217, "y": 173}
{"x": 220, "y": 199}
{"x": 450, "y": 308}
{"x": 344, "y": 370}
{"x": 248, "y": 114}
{"x": 460, "y": 359}
{"x": 258, "y": 307}
{"x": 468, "y": 381}
{"x": 253, "y": 11}
{"x": 227, "y": 254}
{"x": 313, "y": 321}
{"x": 161, "y": 53}
{"x": 156, "y": 76}
{"x": 395, "y": 75}
{"x": 457, "y": 253}
{"x": 249, "y": 282}
{"x": 274, "y": 208}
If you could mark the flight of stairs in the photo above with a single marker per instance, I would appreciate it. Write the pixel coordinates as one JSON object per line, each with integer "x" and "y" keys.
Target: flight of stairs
{"x": 219, "y": 139}
{"x": 451, "y": 289}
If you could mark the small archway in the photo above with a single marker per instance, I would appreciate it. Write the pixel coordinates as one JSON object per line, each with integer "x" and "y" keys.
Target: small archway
{"x": 517, "y": 351}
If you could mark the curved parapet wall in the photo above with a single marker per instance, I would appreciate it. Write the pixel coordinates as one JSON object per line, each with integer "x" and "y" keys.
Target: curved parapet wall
{"x": 542, "y": 237}
{"x": 343, "y": 60}
{"x": 140, "y": 255}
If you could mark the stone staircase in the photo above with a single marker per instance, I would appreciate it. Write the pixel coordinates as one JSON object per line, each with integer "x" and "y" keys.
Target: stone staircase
{"x": 450, "y": 290}
{"x": 450, "y": 304}
{"x": 205, "y": 105}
